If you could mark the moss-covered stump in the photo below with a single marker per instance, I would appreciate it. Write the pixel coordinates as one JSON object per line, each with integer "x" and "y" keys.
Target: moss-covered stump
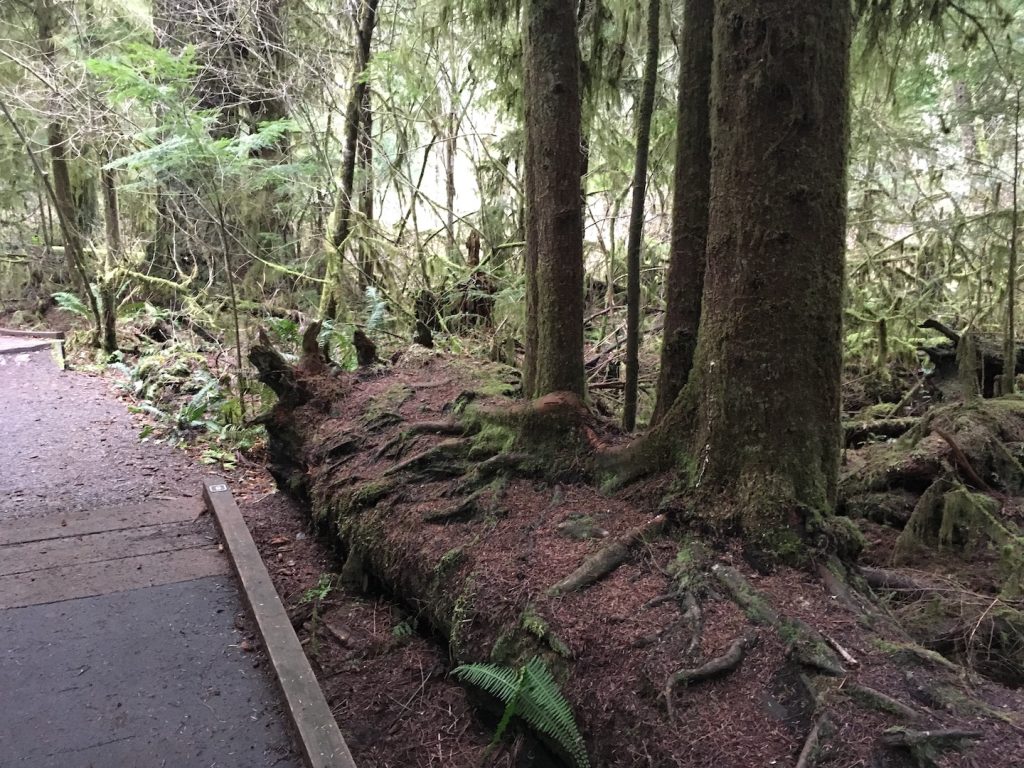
{"x": 981, "y": 440}
{"x": 952, "y": 489}
{"x": 458, "y": 501}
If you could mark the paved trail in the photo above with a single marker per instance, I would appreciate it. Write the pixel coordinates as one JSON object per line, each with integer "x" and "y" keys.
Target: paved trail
{"x": 118, "y": 645}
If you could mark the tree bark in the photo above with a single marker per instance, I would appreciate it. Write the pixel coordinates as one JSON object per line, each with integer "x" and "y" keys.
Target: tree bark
{"x": 365, "y": 152}
{"x": 690, "y": 201}
{"x": 112, "y": 222}
{"x": 61, "y": 189}
{"x": 554, "y": 215}
{"x": 1010, "y": 340}
{"x": 353, "y": 119}
{"x": 768, "y": 359}
{"x": 645, "y": 110}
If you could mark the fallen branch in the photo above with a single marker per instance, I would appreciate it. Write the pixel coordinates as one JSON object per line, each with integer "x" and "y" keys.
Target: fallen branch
{"x": 719, "y": 665}
{"x": 939, "y": 740}
{"x": 962, "y": 462}
{"x": 607, "y": 559}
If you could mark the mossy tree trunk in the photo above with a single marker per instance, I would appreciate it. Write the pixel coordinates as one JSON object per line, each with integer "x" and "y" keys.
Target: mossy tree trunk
{"x": 766, "y": 376}
{"x": 554, "y": 206}
{"x": 689, "y": 204}
{"x": 112, "y": 223}
{"x": 61, "y": 188}
{"x": 365, "y": 158}
{"x": 645, "y": 110}
{"x": 342, "y": 226}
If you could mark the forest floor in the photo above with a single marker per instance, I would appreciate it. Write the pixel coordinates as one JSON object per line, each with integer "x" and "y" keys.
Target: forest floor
{"x": 502, "y": 553}
{"x": 384, "y": 667}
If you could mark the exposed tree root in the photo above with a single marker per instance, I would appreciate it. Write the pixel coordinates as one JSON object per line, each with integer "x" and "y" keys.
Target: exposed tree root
{"x": 881, "y": 702}
{"x": 437, "y": 456}
{"x": 806, "y": 645}
{"x": 837, "y": 581}
{"x": 391, "y": 449}
{"x": 465, "y": 510}
{"x": 608, "y": 558}
{"x": 925, "y": 746}
{"x": 511, "y": 462}
{"x": 812, "y": 744}
{"x": 719, "y": 665}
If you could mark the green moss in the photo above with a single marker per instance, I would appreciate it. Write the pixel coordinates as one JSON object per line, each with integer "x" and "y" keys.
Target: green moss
{"x": 521, "y": 642}
{"x": 496, "y": 380}
{"x": 462, "y": 617}
{"x": 382, "y": 409}
{"x": 915, "y": 653}
{"x": 347, "y": 504}
{"x": 368, "y": 494}
{"x": 954, "y": 517}
{"x": 491, "y": 439}
{"x": 689, "y": 567}
{"x": 783, "y": 543}
{"x": 449, "y": 561}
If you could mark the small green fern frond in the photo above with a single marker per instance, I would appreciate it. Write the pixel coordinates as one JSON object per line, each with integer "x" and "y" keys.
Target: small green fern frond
{"x": 511, "y": 710}
{"x": 532, "y": 694}
{"x": 544, "y": 707}
{"x": 69, "y": 302}
{"x": 500, "y": 682}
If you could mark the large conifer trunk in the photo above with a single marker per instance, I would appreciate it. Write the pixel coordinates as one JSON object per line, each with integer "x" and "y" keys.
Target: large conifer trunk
{"x": 554, "y": 214}
{"x": 768, "y": 358}
{"x": 689, "y": 204}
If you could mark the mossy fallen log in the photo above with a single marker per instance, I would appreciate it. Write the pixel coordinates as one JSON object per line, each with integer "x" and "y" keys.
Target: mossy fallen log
{"x": 461, "y": 521}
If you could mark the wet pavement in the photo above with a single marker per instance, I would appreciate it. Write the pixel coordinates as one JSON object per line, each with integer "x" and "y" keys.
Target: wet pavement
{"x": 120, "y": 644}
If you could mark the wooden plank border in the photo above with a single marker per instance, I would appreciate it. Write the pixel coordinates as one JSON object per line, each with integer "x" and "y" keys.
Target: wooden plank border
{"x": 322, "y": 743}
{"x": 32, "y": 334}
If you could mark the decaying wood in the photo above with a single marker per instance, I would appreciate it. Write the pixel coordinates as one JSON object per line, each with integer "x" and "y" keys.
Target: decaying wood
{"x": 934, "y": 741}
{"x": 859, "y": 432}
{"x": 962, "y": 462}
{"x": 277, "y": 373}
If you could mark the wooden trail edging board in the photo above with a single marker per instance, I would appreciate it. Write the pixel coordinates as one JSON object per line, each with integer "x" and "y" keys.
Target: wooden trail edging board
{"x": 56, "y": 335}
{"x": 322, "y": 743}
{"x": 34, "y": 340}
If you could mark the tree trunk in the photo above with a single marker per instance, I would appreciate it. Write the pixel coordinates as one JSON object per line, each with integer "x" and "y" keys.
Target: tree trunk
{"x": 61, "y": 189}
{"x": 768, "y": 359}
{"x": 645, "y": 110}
{"x": 366, "y": 266}
{"x": 685, "y": 283}
{"x": 554, "y": 216}
{"x": 1010, "y": 339}
{"x": 112, "y": 221}
{"x": 353, "y": 119}
{"x": 450, "y": 146}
